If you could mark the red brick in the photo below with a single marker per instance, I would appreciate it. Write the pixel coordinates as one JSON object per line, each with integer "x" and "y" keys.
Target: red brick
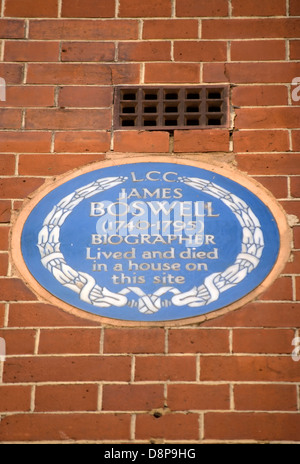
{"x": 260, "y": 118}
{"x": 198, "y": 341}
{"x": 295, "y": 187}
{"x": 88, "y": 51}
{"x": 144, "y": 51}
{"x": 85, "y": 74}
{"x": 201, "y": 8}
{"x": 200, "y": 51}
{"x": 10, "y": 118}
{"x": 261, "y": 140}
{"x": 258, "y": 50}
{"x": 73, "y": 29}
{"x": 4, "y": 236}
{"x": 31, "y": 8}
{"x": 294, "y": 8}
{"x": 3, "y": 264}
{"x": 88, "y": 9}
{"x": 248, "y": 73}
{"x": 2, "y": 313}
{"x": 165, "y": 368}
{"x": 30, "y": 142}
{"x": 7, "y": 165}
{"x": 169, "y": 427}
{"x": 18, "y": 187}
{"x": 132, "y": 397}
{"x": 12, "y": 29}
{"x": 82, "y": 96}
{"x": 65, "y": 427}
{"x": 260, "y": 314}
{"x": 296, "y": 231}
{"x": 5, "y": 209}
{"x": 134, "y": 340}
{"x": 170, "y": 29}
{"x": 49, "y": 165}
{"x": 250, "y": 28}
{"x": 26, "y": 96}
{"x": 15, "y": 398}
{"x": 265, "y": 397}
{"x": 249, "y": 368}
{"x": 259, "y": 95}
{"x": 297, "y": 288}
{"x": 281, "y": 289}
{"x": 201, "y": 140}
{"x": 258, "y": 8}
{"x": 15, "y": 290}
{"x": 80, "y": 142}
{"x": 12, "y": 73}
{"x": 31, "y": 51}
{"x": 136, "y": 9}
{"x": 293, "y": 266}
{"x": 262, "y": 340}
{"x": 279, "y": 163}
{"x": 68, "y": 119}
{"x": 66, "y": 397}
{"x": 141, "y": 141}
{"x": 172, "y": 73}
{"x": 294, "y": 49}
{"x": 275, "y": 184}
{"x": 291, "y": 207}
{"x": 19, "y": 341}
{"x": 39, "y": 314}
{"x": 296, "y": 140}
{"x": 259, "y": 426}
{"x": 185, "y": 397}
{"x": 67, "y": 369}
{"x": 69, "y": 341}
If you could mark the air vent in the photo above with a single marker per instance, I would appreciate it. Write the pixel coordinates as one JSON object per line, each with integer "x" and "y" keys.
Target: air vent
{"x": 169, "y": 108}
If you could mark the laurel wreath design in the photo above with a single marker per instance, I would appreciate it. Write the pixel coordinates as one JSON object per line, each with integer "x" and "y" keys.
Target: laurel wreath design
{"x": 90, "y": 292}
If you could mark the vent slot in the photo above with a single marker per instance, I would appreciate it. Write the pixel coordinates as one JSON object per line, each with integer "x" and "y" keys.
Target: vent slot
{"x": 167, "y": 108}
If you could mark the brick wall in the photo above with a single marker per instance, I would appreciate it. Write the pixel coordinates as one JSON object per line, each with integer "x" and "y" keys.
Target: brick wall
{"x": 231, "y": 379}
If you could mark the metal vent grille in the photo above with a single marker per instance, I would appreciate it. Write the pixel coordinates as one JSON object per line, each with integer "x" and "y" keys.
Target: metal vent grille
{"x": 167, "y": 108}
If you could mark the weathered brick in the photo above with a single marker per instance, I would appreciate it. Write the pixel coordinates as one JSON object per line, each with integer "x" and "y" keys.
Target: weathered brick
{"x": 25, "y": 142}
{"x": 31, "y": 51}
{"x": 294, "y": 49}
{"x": 3, "y": 264}
{"x": 141, "y": 141}
{"x": 165, "y": 368}
{"x": 261, "y": 140}
{"x": 10, "y": 118}
{"x": 15, "y": 398}
{"x": 26, "y": 96}
{"x": 73, "y": 397}
{"x": 135, "y": 8}
{"x": 260, "y": 118}
{"x": 206, "y": 140}
{"x": 31, "y": 8}
{"x": 296, "y": 140}
{"x": 87, "y": 51}
{"x": 67, "y": 369}
{"x": 175, "y": 73}
{"x": 132, "y": 397}
{"x": 259, "y": 95}
{"x": 4, "y": 236}
{"x": 134, "y": 340}
{"x": 279, "y": 163}
{"x": 68, "y": 119}
{"x": 18, "y": 187}
{"x": 259, "y": 426}
{"x": 198, "y": 341}
{"x": 191, "y": 8}
{"x": 169, "y": 426}
{"x": 61, "y": 427}
{"x": 21, "y": 341}
{"x": 203, "y": 50}
{"x": 88, "y": 9}
{"x": 5, "y": 209}
{"x": 170, "y": 29}
{"x": 84, "y": 96}
{"x": 295, "y": 187}
{"x": 281, "y": 290}
{"x": 275, "y": 184}
{"x": 262, "y": 340}
{"x": 69, "y": 341}
{"x": 258, "y": 8}
{"x": 81, "y": 142}
{"x": 258, "y": 50}
{"x": 144, "y": 51}
{"x": 265, "y": 397}
{"x": 15, "y": 290}
{"x": 73, "y": 29}
{"x": 250, "y": 28}
{"x": 7, "y": 165}
{"x": 183, "y": 397}
{"x": 49, "y": 165}
{"x": 12, "y": 29}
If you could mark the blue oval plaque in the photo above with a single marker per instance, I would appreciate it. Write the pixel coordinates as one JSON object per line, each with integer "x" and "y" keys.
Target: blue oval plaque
{"x": 150, "y": 241}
